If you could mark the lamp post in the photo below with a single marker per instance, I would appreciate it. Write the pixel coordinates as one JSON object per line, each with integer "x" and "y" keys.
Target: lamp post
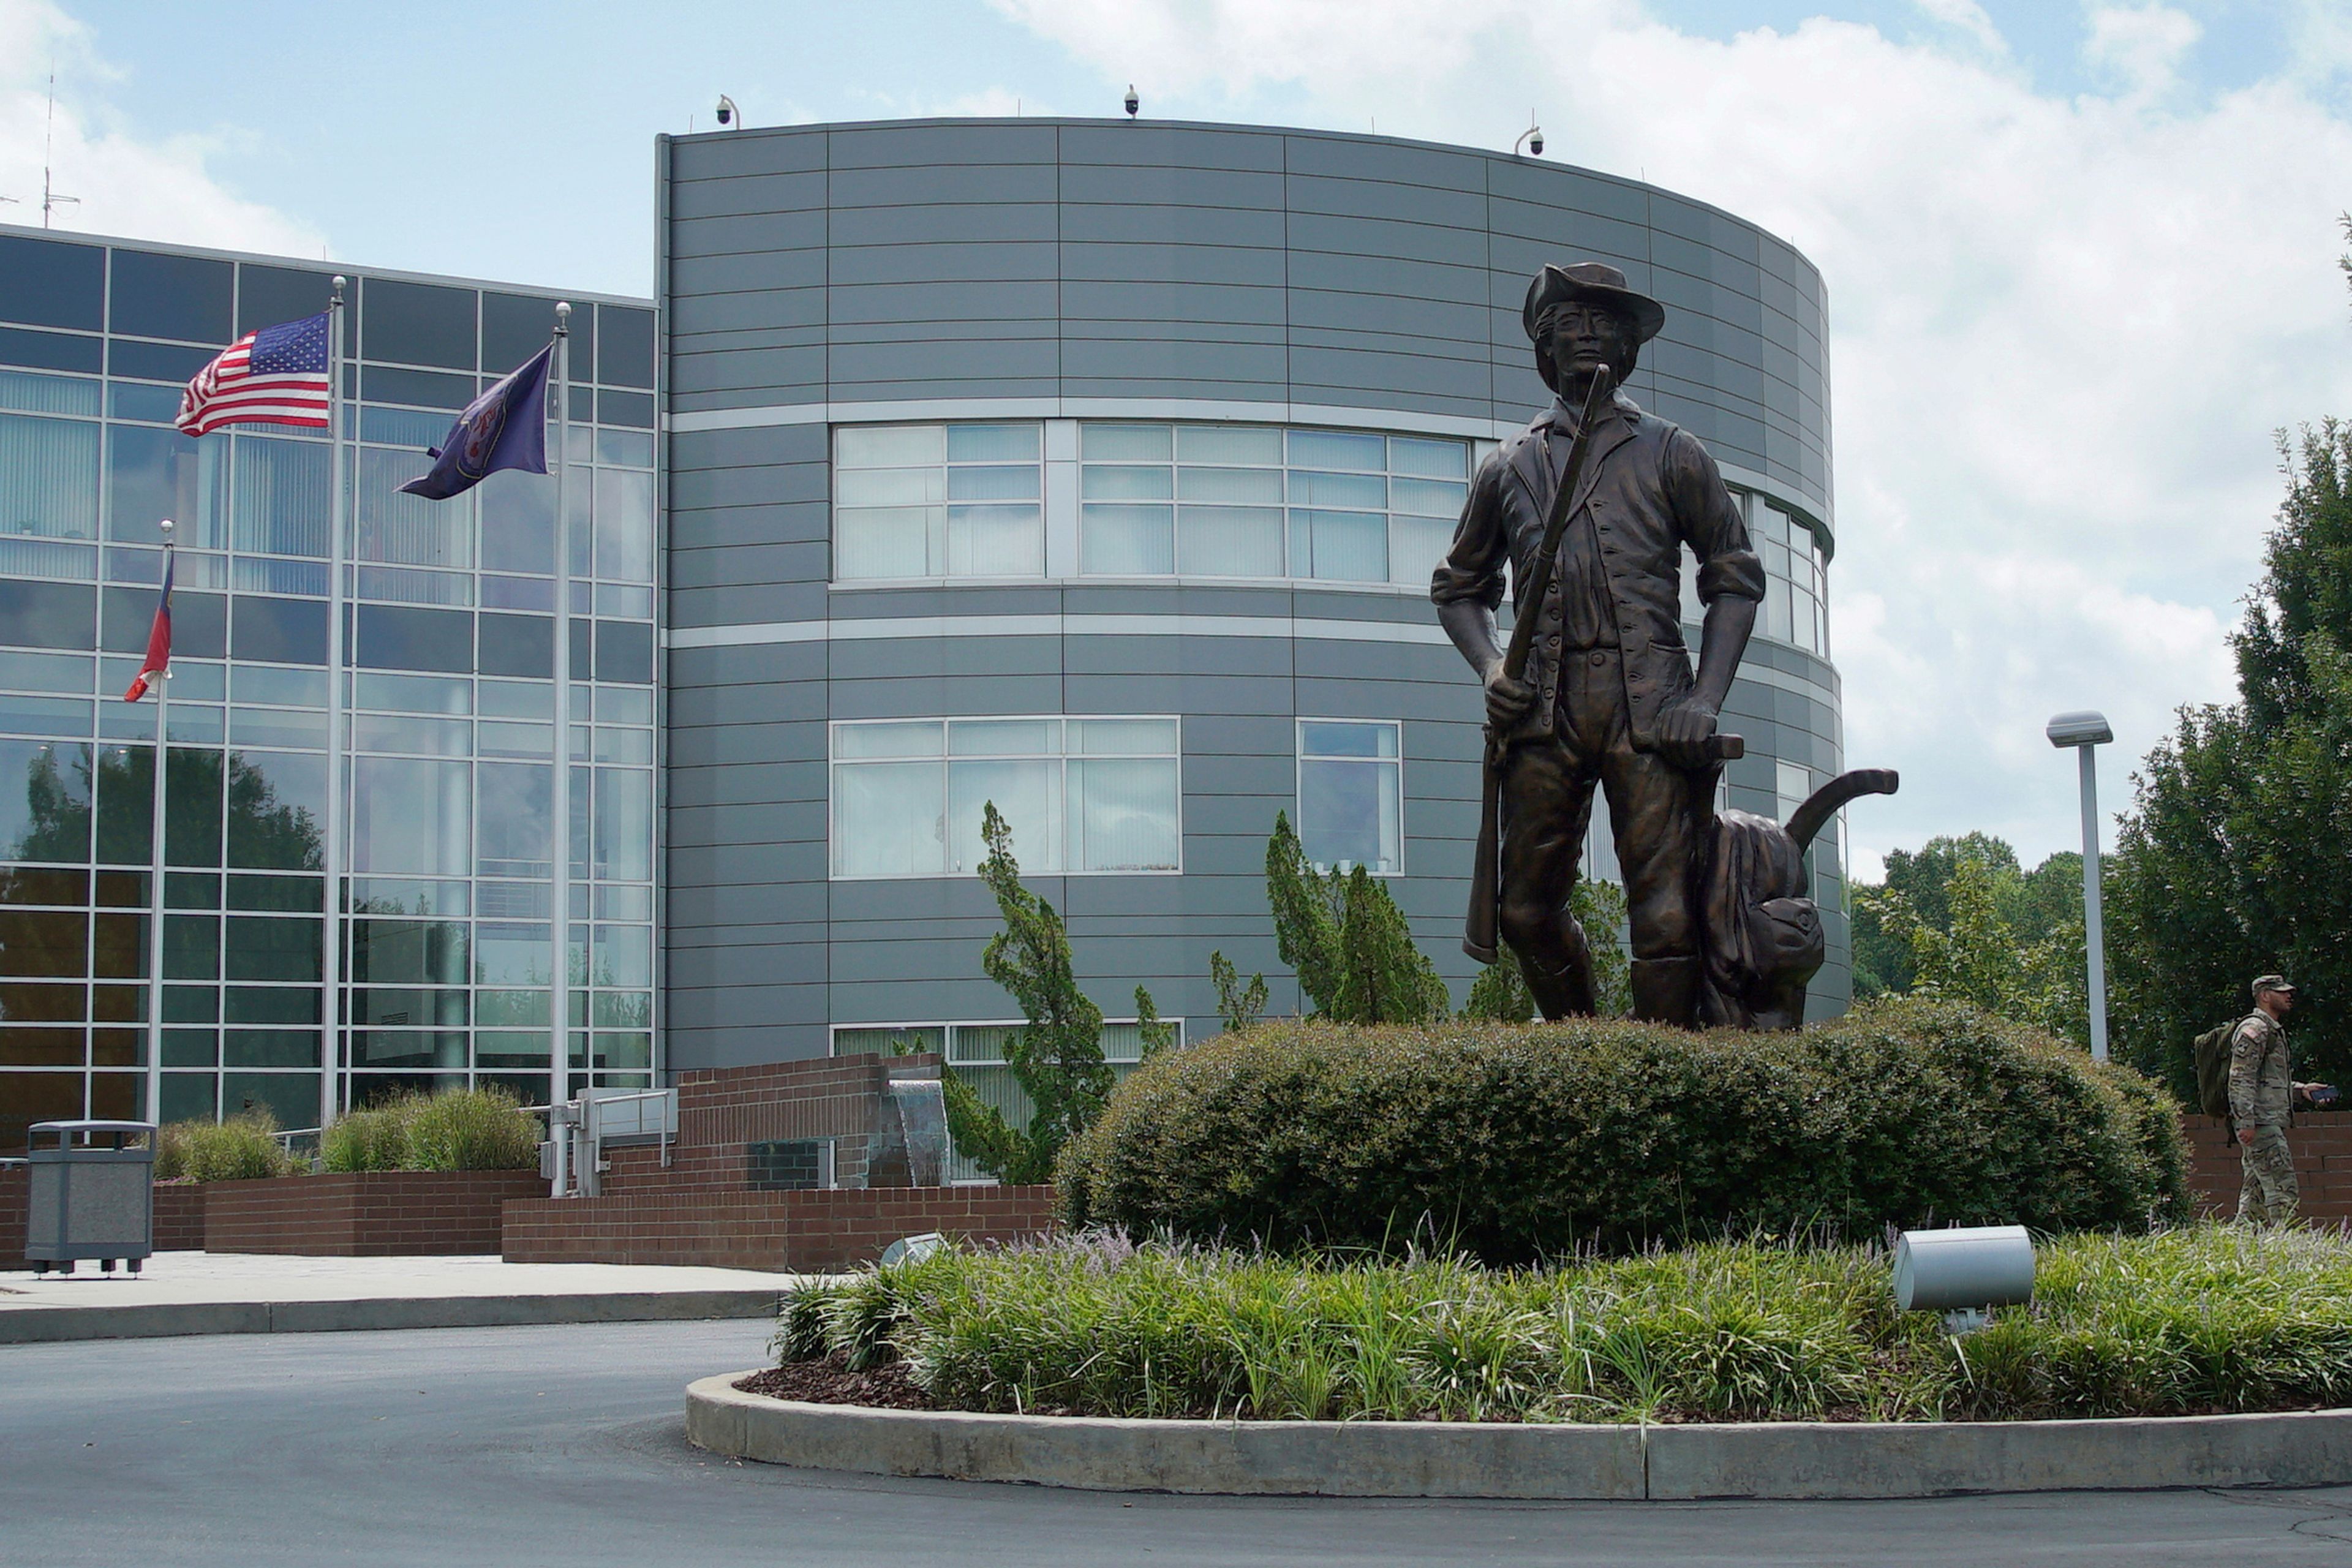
{"x": 2086, "y": 732}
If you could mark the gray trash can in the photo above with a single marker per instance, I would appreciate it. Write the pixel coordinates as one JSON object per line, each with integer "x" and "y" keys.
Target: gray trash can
{"x": 94, "y": 1194}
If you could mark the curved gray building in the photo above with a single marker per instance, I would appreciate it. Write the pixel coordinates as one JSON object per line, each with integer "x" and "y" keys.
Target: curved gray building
{"x": 1097, "y": 469}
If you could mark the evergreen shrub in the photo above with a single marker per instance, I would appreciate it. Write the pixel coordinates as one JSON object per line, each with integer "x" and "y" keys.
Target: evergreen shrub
{"x": 1519, "y": 1143}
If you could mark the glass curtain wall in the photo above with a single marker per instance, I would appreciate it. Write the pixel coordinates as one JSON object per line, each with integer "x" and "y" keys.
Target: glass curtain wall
{"x": 451, "y": 698}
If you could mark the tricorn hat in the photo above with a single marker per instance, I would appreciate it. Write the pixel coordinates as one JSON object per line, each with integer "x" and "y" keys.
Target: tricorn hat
{"x": 1598, "y": 282}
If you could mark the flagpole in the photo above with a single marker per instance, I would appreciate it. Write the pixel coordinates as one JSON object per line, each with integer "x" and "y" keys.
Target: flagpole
{"x": 558, "y": 1084}
{"x": 331, "y": 1077}
{"x": 155, "y": 875}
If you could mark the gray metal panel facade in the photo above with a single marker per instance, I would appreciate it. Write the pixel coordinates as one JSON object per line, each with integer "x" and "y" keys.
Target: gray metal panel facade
{"x": 1036, "y": 268}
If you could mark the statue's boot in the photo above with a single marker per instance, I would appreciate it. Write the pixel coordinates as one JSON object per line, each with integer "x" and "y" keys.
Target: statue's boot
{"x": 1666, "y": 990}
{"x": 1565, "y": 992}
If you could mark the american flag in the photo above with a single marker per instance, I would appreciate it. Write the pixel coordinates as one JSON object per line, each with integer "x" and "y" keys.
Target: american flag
{"x": 275, "y": 376}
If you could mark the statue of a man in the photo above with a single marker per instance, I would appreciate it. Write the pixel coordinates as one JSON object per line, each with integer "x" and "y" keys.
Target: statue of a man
{"x": 1608, "y": 696}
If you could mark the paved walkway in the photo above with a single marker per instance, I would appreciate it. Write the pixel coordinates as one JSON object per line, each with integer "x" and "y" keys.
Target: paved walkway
{"x": 212, "y": 1293}
{"x": 563, "y": 1446}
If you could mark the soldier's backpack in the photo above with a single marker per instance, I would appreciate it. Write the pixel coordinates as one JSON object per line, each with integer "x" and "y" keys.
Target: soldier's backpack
{"x": 2212, "y": 1058}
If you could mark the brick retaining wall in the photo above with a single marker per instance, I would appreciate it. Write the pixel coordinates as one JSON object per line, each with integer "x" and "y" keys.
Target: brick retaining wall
{"x": 371, "y": 1214}
{"x": 15, "y": 1200}
{"x": 814, "y": 1230}
{"x": 2321, "y": 1142}
{"x": 180, "y": 1217}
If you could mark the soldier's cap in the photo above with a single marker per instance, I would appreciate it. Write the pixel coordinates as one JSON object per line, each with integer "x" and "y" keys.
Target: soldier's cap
{"x": 1597, "y": 282}
{"x": 2273, "y": 983}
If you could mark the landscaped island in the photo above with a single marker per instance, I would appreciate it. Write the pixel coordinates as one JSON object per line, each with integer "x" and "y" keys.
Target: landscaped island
{"x": 2198, "y": 1321}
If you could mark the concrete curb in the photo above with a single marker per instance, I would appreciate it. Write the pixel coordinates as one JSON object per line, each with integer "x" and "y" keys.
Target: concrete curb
{"x": 1335, "y": 1458}
{"x": 43, "y": 1325}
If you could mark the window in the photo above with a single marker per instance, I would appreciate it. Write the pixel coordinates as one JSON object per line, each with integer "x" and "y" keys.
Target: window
{"x": 1794, "y": 783}
{"x": 1235, "y": 500}
{"x": 1796, "y": 578}
{"x": 48, "y": 479}
{"x": 1152, "y": 501}
{"x": 1081, "y": 794}
{"x": 1352, "y": 793}
{"x": 938, "y": 500}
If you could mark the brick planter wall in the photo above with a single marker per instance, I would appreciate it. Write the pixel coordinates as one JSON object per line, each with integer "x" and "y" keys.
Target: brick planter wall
{"x": 15, "y": 1198}
{"x": 2321, "y": 1142}
{"x": 180, "y": 1217}
{"x": 817, "y": 1230}
{"x": 369, "y": 1213}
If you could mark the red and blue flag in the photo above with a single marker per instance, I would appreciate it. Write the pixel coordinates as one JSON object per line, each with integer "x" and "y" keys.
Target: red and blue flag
{"x": 159, "y": 637}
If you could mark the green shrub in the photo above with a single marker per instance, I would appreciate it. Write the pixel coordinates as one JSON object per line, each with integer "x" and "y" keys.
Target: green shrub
{"x": 240, "y": 1149}
{"x": 1519, "y": 1143}
{"x": 482, "y": 1129}
{"x": 376, "y": 1139}
{"x": 2211, "y": 1319}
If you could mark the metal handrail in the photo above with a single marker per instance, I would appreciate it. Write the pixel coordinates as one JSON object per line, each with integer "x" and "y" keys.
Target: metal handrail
{"x": 633, "y": 1094}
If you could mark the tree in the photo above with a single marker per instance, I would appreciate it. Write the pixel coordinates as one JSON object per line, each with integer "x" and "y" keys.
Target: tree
{"x": 1347, "y": 941}
{"x": 1057, "y": 1055}
{"x": 2038, "y": 905}
{"x": 1980, "y": 956}
{"x": 2231, "y": 859}
{"x": 1238, "y": 1005}
{"x": 1960, "y": 918}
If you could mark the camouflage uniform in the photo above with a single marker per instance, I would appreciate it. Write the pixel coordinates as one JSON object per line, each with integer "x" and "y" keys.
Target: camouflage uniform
{"x": 2262, "y": 1091}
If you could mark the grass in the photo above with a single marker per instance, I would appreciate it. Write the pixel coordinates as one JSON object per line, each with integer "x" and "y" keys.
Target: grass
{"x": 457, "y": 1129}
{"x": 2186, "y": 1322}
{"x": 239, "y": 1149}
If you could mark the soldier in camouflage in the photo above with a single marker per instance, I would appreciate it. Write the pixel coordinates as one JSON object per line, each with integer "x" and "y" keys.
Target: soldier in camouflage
{"x": 2262, "y": 1091}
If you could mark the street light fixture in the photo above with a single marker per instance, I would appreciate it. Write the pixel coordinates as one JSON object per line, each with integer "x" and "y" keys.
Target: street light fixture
{"x": 2086, "y": 732}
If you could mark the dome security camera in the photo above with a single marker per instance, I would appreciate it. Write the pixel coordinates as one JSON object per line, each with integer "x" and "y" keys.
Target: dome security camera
{"x": 1535, "y": 144}
{"x": 1133, "y": 102}
{"x": 728, "y": 112}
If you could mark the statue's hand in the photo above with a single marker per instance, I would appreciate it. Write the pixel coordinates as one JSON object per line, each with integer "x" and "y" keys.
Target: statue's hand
{"x": 1508, "y": 701}
{"x": 1685, "y": 730}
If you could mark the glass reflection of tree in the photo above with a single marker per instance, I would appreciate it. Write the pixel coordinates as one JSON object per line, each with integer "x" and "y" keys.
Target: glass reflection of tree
{"x": 265, "y": 832}
{"x": 56, "y": 809}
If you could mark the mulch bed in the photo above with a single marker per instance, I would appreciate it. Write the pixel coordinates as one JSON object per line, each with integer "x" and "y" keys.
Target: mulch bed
{"x": 830, "y": 1382}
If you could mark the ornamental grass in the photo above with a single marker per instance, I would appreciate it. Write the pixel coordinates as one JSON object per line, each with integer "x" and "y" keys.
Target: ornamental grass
{"x": 243, "y": 1148}
{"x": 483, "y": 1129}
{"x": 2202, "y": 1320}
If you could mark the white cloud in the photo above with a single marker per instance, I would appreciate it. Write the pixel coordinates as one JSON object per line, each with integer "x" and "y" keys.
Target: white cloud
{"x": 2141, "y": 44}
{"x": 2064, "y": 329}
{"x": 1969, "y": 17}
{"x": 125, "y": 185}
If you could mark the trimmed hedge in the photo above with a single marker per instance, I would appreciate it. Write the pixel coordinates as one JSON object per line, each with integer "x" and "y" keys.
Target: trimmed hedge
{"x": 1518, "y": 1142}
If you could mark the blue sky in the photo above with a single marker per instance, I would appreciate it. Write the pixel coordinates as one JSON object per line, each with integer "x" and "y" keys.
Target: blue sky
{"x": 2030, "y": 216}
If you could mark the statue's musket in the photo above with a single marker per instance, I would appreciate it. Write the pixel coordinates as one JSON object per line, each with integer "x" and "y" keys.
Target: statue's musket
{"x": 1481, "y": 933}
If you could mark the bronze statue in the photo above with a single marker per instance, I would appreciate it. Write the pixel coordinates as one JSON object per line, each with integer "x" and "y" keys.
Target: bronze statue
{"x": 1588, "y": 509}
